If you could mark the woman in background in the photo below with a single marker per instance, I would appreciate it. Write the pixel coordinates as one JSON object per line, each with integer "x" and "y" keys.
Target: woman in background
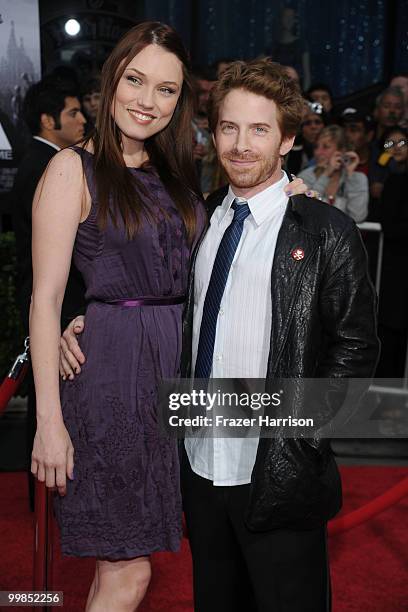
{"x": 313, "y": 121}
{"x": 334, "y": 175}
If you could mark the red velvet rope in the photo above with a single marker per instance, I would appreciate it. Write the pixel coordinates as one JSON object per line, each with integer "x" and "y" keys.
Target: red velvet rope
{"x": 375, "y": 506}
{"x": 43, "y": 526}
{"x": 9, "y": 387}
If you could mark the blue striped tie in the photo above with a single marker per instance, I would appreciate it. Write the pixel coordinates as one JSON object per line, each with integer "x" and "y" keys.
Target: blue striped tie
{"x": 216, "y": 287}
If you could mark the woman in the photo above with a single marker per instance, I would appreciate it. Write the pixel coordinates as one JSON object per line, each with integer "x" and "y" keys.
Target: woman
{"x": 126, "y": 202}
{"x": 334, "y": 175}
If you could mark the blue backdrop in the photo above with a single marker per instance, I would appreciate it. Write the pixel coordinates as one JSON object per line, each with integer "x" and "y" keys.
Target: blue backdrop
{"x": 345, "y": 39}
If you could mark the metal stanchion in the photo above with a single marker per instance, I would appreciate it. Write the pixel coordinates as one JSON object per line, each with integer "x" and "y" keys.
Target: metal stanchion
{"x": 15, "y": 377}
{"x": 370, "y": 226}
{"x": 40, "y": 537}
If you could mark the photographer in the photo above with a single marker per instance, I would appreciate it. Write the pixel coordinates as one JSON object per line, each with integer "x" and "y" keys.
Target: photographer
{"x": 334, "y": 175}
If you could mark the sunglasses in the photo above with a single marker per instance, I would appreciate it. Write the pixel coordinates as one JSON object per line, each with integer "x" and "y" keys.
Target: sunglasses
{"x": 315, "y": 107}
{"x": 389, "y": 144}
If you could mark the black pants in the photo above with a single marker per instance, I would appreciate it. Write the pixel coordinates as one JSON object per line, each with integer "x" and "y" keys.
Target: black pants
{"x": 236, "y": 570}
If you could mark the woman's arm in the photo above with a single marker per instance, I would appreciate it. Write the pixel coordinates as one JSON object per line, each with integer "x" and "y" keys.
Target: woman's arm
{"x": 57, "y": 210}
{"x": 356, "y": 194}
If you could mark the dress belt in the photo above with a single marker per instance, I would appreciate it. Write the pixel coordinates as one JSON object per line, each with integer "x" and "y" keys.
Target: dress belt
{"x": 148, "y": 301}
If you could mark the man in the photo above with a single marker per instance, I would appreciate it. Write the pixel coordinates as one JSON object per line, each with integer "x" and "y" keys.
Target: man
{"x": 258, "y": 540}
{"x": 322, "y": 94}
{"x": 388, "y": 112}
{"x": 206, "y": 168}
{"x": 278, "y": 289}
{"x": 54, "y": 118}
{"x": 205, "y": 80}
{"x": 91, "y": 96}
{"x": 389, "y": 109}
{"x": 359, "y": 131}
{"x": 400, "y": 80}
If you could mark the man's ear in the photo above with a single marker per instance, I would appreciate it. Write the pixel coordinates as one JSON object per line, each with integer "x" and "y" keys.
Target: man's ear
{"x": 47, "y": 122}
{"x": 286, "y": 145}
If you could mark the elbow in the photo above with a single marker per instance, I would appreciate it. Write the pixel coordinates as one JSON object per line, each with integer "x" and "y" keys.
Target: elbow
{"x": 359, "y": 213}
{"x": 360, "y": 217}
{"x": 45, "y": 302}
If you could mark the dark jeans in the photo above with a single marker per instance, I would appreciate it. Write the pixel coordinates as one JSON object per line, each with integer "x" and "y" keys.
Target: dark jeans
{"x": 238, "y": 570}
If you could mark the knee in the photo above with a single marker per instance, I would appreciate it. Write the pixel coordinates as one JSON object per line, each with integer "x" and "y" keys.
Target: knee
{"x": 125, "y": 588}
{"x": 136, "y": 586}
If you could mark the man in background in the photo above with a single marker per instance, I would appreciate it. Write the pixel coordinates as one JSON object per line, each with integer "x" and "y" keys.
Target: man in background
{"x": 389, "y": 110}
{"x": 91, "y": 95}
{"x": 359, "y": 131}
{"x": 400, "y": 80}
{"x": 204, "y": 154}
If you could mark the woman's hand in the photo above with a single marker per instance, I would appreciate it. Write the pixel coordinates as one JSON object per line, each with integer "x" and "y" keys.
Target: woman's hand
{"x": 52, "y": 459}
{"x": 334, "y": 164}
{"x": 71, "y": 356}
{"x": 351, "y": 161}
{"x": 299, "y": 187}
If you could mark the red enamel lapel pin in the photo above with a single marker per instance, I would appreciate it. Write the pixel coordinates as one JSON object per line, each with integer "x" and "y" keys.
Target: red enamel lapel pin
{"x": 298, "y": 254}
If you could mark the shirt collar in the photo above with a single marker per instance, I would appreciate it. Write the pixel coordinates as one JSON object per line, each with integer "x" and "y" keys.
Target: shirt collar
{"x": 48, "y": 142}
{"x": 262, "y": 205}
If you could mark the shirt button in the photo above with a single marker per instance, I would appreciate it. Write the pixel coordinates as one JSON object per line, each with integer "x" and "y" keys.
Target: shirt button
{"x": 221, "y": 311}
{"x": 218, "y": 358}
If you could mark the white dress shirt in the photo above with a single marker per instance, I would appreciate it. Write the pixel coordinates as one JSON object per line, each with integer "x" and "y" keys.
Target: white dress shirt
{"x": 242, "y": 339}
{"x": 48, "y": 142}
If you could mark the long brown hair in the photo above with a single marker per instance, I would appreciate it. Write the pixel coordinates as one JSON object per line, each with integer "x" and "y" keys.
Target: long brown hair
{"x": 170, "y": 150}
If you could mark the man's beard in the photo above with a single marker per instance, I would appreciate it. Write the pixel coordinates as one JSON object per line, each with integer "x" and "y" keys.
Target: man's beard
{"x": 249, "y": 177}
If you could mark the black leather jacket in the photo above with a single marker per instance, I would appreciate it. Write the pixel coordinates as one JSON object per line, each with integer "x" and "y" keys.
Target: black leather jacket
{"x": 323, "y": 325}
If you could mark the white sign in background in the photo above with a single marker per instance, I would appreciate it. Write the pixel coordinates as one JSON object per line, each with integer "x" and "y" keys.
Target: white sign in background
{"x": 20, "y": 66}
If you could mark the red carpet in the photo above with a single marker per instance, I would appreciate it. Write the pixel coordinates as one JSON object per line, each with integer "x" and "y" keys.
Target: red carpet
{"x": 369, "y": 563}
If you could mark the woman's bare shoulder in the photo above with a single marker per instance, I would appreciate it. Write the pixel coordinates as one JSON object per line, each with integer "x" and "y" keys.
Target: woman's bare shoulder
{"x": 87, "y": 145}
{"x": 66, "y": 158}
{"x": 64, "y": 169}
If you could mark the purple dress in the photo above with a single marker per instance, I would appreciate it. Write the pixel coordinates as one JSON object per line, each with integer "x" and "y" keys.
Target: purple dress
{"x": 125, "y": 500}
